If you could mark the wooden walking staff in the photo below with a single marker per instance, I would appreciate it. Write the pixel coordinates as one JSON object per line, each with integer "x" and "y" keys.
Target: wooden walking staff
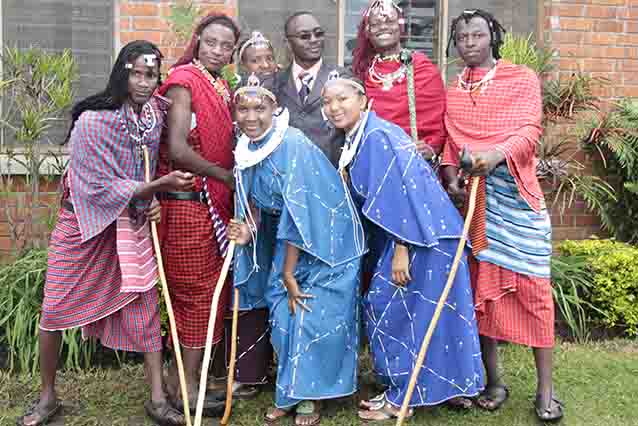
{"x": 212, "y": 319}
{"x": 466, "y": 164}
{"x": 233, "y": 356}
{"x": 233, "y": 360}
{"x": 167, "y": 301}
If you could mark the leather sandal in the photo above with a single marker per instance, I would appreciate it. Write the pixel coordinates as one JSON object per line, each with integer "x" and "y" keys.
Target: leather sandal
{"x": 552, "y": 413}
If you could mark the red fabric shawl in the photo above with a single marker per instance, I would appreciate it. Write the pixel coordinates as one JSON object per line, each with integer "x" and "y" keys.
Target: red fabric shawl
{"x": 191, "y": 254}
{"x": 212, "y": 137}
{"x": 393, "y": 105}
{"x": 505, "y": 116}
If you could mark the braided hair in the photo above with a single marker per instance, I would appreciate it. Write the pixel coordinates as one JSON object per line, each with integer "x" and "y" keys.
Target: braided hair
{"x": 496, "y": 29}
{"x": 116, "y": 92}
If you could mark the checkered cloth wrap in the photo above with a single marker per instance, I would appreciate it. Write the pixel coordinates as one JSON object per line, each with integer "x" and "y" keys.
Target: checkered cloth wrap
{"x": 106, "y": 167}
{"x": 523, "y": 310}
{"x": 506, "y": 116}
{"x": 84, "y": 279}
{"x": 83, "y": 290}
{"x": 191, "y": 251}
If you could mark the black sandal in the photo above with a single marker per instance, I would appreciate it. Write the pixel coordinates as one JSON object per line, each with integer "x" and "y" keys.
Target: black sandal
{"x": 164, "y": 414}
{"x": 552, "y": 413}
{"x": 44, "y": 417}
{"x": 493, "y": 397}
{"x": 214, "y": 404}
{"x": 461, "y": 403}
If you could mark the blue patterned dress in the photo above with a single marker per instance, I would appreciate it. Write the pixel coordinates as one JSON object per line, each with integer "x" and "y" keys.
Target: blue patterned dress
{"x": 400, "y": 198}
{"x": 316, "y": 351}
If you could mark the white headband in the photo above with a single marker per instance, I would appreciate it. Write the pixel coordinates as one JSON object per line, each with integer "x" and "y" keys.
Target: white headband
{"x": 256, "y": 39}
{"x": 149, "y": 61}
{"x": 253, "y": 86}
{"x": 334, "y": 77}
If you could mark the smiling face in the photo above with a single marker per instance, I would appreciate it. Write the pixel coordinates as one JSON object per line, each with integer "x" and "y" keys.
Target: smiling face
{"x": 343, "y": 104}
{"x": 216, "y": 46}
{"x": 384, "y": 30}
{"x": 254, "y": 114}
{"x": 142, "y": 81}
{"x": 305, "y": 39}
{"x": 473, "y": 42}
{"x": 259, "y": 60}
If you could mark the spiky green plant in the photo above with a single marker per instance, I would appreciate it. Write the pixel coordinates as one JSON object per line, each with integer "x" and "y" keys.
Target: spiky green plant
{"x": 523, "y": 50}
{"x": 613, "y": 138}
{"x": 37, "y": 90}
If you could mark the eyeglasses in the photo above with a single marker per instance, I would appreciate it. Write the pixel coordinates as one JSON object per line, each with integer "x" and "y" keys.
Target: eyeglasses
{"x": 306, "y": 36}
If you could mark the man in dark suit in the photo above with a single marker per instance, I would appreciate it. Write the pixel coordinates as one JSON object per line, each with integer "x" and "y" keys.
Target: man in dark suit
{"x": 298, "y": 87}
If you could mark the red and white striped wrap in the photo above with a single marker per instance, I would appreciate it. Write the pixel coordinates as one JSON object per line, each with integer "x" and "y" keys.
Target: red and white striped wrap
{"x": 136, "y": 256}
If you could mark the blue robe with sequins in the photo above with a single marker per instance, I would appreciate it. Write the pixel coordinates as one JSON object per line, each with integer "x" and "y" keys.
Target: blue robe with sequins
{"x": 316, "y": 351}
{"x": 401, "y": 198}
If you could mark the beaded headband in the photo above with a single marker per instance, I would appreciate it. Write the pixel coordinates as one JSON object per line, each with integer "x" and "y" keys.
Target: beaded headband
{"x": 149, "y": 61}
{"x": 383, "y": 8}
{"x": 256, "y": 39}
{"x": 253, "y": 88}
{"x": 334, "y": 77}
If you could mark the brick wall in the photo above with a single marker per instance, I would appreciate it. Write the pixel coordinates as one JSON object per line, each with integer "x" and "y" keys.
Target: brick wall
{"x": 16, "y": 207}
{"x": 147, "y": 20}
{"x": 599, "y": 38}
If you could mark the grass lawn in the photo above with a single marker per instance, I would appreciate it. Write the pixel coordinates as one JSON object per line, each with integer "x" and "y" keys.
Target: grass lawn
{"x": 598, "y": 382}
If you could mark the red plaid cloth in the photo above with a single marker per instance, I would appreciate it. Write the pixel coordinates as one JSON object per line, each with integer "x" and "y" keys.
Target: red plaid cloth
{"x": 505, "y": 116}
{"x": 392, "y": 105}
{"x": 83, "y": 290}
{"x": 189, "y": 248}
{"x": 512, "y": 307}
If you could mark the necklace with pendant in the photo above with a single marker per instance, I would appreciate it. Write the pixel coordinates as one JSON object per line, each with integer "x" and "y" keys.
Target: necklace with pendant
{"x": 143, "y": 125}
{"x": 388, "y": 80}
{"x": 216, "y": 82}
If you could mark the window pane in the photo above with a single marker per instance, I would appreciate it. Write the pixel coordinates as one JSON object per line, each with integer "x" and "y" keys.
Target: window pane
{"x": 84, "y": 26}
{"x": 269, "y": 17}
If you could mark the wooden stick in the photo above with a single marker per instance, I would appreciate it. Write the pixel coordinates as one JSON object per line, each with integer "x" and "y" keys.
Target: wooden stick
{"x": 440, "y": 305}
{"x": 167, "y": 301}
{"x": 209, "y": 334}
{"x": 233, "y": 355}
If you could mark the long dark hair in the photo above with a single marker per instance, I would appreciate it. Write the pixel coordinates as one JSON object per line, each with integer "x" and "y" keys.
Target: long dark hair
{"x": 116, "y": 92}
{"x": 496, "y": 30}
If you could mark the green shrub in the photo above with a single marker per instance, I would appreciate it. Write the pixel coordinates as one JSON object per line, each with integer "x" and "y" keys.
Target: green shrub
{"x": 21, "y": 293}
{"x": 612, "y": 288}
{"x": 572, "y": 286}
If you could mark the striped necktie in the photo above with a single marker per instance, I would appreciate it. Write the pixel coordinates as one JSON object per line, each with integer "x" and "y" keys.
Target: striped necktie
{"x": 305, "y": 78}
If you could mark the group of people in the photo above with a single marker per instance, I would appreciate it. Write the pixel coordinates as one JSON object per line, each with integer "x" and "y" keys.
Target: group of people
{"x": 345, "y": 183}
